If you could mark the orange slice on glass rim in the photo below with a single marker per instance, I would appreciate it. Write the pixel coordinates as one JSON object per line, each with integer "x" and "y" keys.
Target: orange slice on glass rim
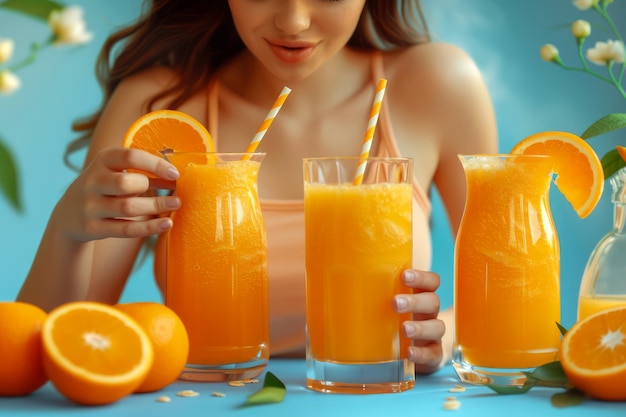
{"x": 162, "y": 131}
{"x": 593, "y": 352}
{"x": 621, "y": 150}
{"x": 94, "y": 353}
{"x": 579, "y": 174}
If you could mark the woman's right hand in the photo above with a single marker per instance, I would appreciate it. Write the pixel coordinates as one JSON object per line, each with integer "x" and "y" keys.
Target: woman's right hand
{"x": 108, "y": 201}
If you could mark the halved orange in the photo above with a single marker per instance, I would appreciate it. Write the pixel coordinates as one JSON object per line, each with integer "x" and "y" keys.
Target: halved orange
{"x": 579, "y": 174}
{"x": 593, "y": 354}
{"x": 168, "y": 130}
{"x": 621, "y": 150}
{"x": 94, "y": 353}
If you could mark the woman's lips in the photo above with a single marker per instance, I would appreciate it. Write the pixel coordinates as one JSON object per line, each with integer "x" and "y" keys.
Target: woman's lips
{"x": 292, "y": 52}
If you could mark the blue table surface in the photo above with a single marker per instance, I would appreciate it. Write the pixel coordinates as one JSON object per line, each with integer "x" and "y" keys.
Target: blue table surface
{"x": 426, "y": 399}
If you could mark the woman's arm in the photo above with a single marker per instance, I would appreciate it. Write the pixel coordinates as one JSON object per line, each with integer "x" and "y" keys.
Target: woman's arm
{"x": 97, "y": 228}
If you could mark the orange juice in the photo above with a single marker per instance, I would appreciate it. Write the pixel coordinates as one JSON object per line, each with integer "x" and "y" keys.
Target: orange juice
{"x": 507, "y": 264}
{"x": 217, "y": 263}
{"x": 590, "y": 305}
{"x": 358, "y": 242}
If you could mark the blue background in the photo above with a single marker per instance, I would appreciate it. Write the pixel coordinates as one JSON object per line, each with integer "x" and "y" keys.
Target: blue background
{"x": 504, "y": 38}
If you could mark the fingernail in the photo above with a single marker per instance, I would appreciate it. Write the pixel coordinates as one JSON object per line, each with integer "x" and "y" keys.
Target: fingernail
{"x": 401, "y": 303}
{"x": 410, "y": 275}
{"x": 172, "y": 173}
{"x": 413, "y": 353}
{"x": 409, "y": 329}
{"x": 165, "y": 224}
{"x": 172, "y": 202}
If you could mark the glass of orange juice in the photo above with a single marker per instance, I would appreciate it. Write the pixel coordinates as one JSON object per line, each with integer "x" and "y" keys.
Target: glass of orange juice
{"x": 217, "y": 265}
{"x": 507, "y": 269}
{"x": 358, "y": 240}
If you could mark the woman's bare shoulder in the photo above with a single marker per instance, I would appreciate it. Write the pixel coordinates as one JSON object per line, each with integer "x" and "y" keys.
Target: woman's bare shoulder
{"x": 145, "y": 84}
{"x": 439, "y": 79}
{"x": 441, "y": 66}
{"x": 438, "y": 87}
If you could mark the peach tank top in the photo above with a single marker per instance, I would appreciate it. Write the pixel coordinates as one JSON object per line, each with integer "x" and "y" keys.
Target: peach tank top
{"x": 284, "y": 220}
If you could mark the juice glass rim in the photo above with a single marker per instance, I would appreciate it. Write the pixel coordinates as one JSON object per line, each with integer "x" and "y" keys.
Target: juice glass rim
{"x": 357, "y": 158}
{"x": 213, "y": 157}
{"x": 213, "y": 153}
{"x": 503, "y": 155}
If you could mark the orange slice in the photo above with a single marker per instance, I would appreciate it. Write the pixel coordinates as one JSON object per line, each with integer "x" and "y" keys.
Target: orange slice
{"x": 621, "y": 150}
{"x": 93, "y": 353}
{"x": 579, "y": 174}
{"x": 593, "y": 355}
{"x": 170, "y": 130}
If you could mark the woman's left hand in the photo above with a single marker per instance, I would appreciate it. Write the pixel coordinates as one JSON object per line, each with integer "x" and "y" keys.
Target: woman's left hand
{"x": 426, "y": 329}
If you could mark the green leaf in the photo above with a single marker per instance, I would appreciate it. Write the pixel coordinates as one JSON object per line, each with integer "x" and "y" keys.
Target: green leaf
{"x": 39, "y": 9}
{"x": 549, "y": 375}
{"x": 568, "y": 398}
{"x": 273, "y": 391}
{"x": 612, "y": 162}
{"x": 562, "y": 329}
{"x": 9, "y": 180}
{"x": 605, "y": 124}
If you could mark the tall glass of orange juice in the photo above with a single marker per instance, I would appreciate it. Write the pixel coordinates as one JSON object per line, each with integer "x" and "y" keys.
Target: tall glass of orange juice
{"x": 217, "y": 266}
{"x": 506, "y": 293}
{"x": 358, "y": 240}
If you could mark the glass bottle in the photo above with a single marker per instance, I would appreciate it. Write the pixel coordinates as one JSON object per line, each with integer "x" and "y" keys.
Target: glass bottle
{"x": 603, "y": 284}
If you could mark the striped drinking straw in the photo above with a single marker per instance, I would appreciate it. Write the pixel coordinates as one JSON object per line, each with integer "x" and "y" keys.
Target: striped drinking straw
{"x": 280, "y": 100}
{"x": 369, "y": 134}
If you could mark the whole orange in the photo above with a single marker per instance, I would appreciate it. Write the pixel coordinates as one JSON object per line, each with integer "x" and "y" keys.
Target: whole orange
{"x": 169, "y": 338}
{"x": 21, "y": 367}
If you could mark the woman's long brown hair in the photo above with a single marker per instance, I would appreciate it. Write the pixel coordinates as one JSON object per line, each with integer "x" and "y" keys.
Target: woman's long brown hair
{"x": 195, "y": 37}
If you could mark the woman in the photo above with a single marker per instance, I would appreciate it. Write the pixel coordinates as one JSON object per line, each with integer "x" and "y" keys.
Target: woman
{"x": 223, "y": 62}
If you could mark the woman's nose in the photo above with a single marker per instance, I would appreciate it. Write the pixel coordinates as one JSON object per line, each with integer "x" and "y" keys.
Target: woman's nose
{"x": 294, "y": 17}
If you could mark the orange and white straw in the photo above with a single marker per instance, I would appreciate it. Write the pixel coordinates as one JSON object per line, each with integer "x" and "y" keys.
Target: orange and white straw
{"x": 369, "y": 134}
{"x": 271, "y": 115}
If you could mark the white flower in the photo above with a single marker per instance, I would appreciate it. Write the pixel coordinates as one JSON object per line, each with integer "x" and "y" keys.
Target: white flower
{"x": 6, "y": 50}
{"x": 585, "y": 4}
{"x": 581, "y": 29}
{"x": 9, "y": 82}
{"x": 603, "y": 52}
{"x": 68, "y": 26}
{"x": 549, "y": 52}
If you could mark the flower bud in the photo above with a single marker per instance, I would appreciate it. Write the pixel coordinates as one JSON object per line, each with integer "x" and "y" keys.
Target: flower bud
{"x": 549, "y": 52}
{"x": 6, "y": 50}
{"x": 585, "y": 4}
{"x": 581, "y": 29}
{"x": 9, "y": 82}
{"x": 604, "y": 52}
{"x": 68, "y": 26}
